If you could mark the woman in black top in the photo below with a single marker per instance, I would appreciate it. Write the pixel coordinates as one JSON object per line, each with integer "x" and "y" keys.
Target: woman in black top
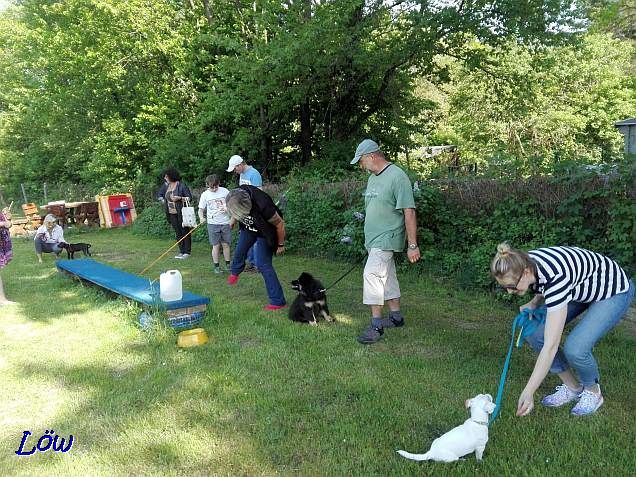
{"x": 172, "y": 195}
{"x": 260, "y": 222}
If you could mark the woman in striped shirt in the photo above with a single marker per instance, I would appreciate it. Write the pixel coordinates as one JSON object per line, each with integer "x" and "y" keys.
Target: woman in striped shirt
{"x": 570, "y": 281}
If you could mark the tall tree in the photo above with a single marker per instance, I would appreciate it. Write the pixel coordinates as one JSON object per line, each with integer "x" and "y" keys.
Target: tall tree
{"x": 346, "y": 69}
{"x": 614, "y": 16}
{"x": 114, "y": 88}
{"x": 540, "y": 106}
{"x": 97, "y": 82}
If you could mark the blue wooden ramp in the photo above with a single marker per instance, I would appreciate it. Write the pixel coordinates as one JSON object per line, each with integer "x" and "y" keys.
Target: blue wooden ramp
{"x": 131, "y": 286}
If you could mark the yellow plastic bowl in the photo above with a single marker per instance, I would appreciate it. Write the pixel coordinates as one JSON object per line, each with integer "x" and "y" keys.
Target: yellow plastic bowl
{"x": 190, "y": 338}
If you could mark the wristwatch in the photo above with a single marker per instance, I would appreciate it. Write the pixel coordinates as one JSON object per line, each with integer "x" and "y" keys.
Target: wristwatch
{"x": 412, "y": 246}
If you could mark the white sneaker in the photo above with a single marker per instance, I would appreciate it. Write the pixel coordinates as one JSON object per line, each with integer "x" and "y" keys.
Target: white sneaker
{"x": 588, "y": 403}
{"x": 185, "y": 255}
{"x": 180, "y": 256}
{"x": 563, "y": 395}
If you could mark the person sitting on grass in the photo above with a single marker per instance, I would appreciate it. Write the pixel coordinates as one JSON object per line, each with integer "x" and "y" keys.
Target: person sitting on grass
{"x": 260, "y": 222}
{"x": 571, "y": 281}
{"x": 212, "y": 207}
{"x": 48, "y": 237}
{"x": 6, "y": 251}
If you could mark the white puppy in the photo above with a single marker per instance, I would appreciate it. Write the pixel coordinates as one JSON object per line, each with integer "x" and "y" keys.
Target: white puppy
{"x": 471, "y": 436}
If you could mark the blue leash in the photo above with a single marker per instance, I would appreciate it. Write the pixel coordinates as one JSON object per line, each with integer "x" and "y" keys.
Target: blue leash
{"x": 527, "y": 320}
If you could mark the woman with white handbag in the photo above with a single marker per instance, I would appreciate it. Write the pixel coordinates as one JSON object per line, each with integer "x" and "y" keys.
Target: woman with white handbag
{"x": 176, "y": 196}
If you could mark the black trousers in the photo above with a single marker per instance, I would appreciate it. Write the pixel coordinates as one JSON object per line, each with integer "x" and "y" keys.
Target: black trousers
{"x": 185, "y": 246}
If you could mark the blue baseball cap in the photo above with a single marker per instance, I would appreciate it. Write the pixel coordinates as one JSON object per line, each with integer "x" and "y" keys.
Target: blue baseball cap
{"x": 365, "y": 147}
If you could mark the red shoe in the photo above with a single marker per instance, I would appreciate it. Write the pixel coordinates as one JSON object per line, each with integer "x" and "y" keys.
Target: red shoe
{"x": 274, "y": 307}
{"x": 232, "y": 279}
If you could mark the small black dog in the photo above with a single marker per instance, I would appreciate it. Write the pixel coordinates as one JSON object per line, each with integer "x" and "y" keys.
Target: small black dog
{"x": 311, "y": 302}
{"x": 71, "y": 248}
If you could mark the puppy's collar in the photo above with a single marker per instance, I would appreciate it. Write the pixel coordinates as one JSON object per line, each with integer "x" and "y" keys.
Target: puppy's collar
{"x": 483, "y": 423}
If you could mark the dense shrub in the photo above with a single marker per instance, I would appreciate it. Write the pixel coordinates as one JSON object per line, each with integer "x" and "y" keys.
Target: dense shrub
{"x": 461, "y": 221}
{"x": 320, "y": 217}
{"x": 151, "y": 221}
{"x": 597, "y": 211}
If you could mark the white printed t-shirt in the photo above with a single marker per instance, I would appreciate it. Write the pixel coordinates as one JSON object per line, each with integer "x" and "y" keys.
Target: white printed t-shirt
{"x": 214, "y": 204}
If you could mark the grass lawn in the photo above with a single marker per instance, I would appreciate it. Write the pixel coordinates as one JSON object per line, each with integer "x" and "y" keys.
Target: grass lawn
{"x": 270, "y": 397}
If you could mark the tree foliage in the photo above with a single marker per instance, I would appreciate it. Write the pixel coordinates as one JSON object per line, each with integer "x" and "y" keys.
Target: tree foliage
{"x": 542, "y": 106}
{"x": 95, "y": 84}
{"x": 614, "y": 16}
{"x": 109, "y": 91}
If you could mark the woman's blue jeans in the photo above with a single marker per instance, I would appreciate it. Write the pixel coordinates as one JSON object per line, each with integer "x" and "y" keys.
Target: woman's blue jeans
{"x": 263, "y": 259}
{"x": 251, "y": 256}
{"x": 599, "y": 319}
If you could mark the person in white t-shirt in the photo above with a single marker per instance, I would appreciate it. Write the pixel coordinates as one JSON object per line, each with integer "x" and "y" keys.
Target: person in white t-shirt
{"x": 48, "y": 237}
{"x": 212, "y": 208}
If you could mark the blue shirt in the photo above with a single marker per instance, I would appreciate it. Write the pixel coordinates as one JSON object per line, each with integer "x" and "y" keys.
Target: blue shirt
{"x": 251, "y": 177}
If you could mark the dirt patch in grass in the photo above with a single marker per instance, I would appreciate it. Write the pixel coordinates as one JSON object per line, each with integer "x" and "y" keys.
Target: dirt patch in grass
{"x": 630, "y": 327}
{"x": 116, "y": 256}
{"x": 628, "y": 323}
{"x": 468, "y": 325}
{"x": 248, "y": 343}
{"x": 419, "y": 350}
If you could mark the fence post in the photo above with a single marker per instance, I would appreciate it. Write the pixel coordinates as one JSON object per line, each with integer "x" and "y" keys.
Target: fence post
{"x": 24, "y": 194}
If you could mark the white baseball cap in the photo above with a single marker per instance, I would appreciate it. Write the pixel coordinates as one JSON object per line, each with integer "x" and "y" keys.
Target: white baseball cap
{"x": 234, "y": 161}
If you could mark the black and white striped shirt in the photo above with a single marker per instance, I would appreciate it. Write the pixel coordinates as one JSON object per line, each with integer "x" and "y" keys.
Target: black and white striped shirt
{"x": 575, "y": 274}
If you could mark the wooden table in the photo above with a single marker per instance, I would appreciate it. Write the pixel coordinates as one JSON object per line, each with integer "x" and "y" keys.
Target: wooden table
{"x": 82, "y": 212}
{"x": 57, "y": 208}
{"x": 75, "y": 205}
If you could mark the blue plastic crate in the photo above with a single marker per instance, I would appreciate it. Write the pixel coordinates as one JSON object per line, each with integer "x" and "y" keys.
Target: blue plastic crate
{"x": 188, "y": 320}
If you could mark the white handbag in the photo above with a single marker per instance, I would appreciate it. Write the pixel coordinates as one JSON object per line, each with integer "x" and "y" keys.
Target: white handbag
{"x": 188, "y": 214}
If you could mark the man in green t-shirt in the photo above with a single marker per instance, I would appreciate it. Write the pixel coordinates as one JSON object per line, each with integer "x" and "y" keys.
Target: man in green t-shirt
{"x": 389, "y": 223}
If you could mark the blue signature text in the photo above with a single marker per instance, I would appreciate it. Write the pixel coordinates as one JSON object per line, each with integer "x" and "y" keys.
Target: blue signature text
{"x": 45, "y": 443}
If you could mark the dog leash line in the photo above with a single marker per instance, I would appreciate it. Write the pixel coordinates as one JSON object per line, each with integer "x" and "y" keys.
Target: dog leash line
{"x": 504, "y": 374}
{"x": 525, "y": 321}
{"x": 344, "y": 275}
{"x": 171, "y": 247}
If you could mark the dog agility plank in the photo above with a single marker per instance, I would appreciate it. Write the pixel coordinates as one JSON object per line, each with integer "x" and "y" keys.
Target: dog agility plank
{"x": 131, "y": 286}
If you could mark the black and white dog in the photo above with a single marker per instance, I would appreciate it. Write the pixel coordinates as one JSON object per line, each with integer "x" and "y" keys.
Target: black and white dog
{"x": 310, "y": 304}
{"x": 71, "y": 248}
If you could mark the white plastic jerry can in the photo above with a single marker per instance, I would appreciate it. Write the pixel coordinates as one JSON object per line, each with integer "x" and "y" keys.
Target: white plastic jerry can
{"x": 170, "y": 287}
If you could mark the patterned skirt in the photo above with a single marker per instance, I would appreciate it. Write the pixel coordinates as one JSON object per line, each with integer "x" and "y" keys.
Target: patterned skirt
{"x": 6, "y": 252}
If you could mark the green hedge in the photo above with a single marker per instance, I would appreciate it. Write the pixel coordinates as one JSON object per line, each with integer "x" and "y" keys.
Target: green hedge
{"x": 460, "y": 222}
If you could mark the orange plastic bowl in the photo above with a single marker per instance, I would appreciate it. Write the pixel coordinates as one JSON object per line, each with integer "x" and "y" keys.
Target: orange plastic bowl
{"x": 191, "y": 338}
